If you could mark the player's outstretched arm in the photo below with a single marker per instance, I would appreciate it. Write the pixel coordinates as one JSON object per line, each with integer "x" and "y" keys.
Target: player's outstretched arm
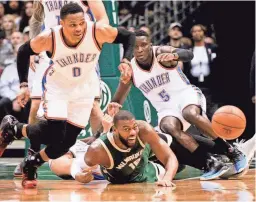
{"x": 108, "y": 34}
{"x": 161, "y": 150}
{"x": 122, "y": 92}
{"x": 96, "y": 155}
{"x": 98, "y": 9}
{"x": 37, "y": 19}
{"x": 169, "y": 56}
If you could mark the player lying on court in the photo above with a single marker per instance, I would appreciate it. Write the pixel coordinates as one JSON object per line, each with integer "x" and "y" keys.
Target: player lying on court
{"x": 69, "y": 85}
{"x": 156, "y": 73}
{"x": 71, "y": 165}
{"x": 44, "y": 16}
{"x": 123, "y": 155}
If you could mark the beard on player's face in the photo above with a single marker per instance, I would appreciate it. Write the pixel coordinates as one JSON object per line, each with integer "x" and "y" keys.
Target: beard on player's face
{"x": 126, "y": 142}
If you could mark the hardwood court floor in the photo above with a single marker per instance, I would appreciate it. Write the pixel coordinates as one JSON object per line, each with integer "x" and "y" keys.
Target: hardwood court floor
{"x": 187, "y": 190}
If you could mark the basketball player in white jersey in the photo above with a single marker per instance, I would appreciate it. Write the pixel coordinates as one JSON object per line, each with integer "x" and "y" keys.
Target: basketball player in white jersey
{"x": 178, "y": 103}
{"x": 69, "y": 84}
{"x": 47, "y": 14}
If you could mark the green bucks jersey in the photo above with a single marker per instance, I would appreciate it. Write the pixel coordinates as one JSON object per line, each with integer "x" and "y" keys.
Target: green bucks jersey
{"x": 130, "y": 165}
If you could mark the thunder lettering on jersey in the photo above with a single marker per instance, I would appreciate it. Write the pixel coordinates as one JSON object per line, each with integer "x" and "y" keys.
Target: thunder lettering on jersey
{"x": 75, "y": 63}
{"x": 52, "y": 11}
{"x": 159, "y": 83}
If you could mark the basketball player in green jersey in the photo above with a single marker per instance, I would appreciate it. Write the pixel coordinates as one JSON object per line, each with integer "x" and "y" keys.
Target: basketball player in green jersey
{"x": 123, "y": 155}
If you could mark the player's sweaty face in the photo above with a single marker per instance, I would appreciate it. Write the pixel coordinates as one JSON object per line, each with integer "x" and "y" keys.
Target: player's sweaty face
{"x": 142, "y": 48}
{"x": 74, "y": 25}
{"x": 128, "y": 131}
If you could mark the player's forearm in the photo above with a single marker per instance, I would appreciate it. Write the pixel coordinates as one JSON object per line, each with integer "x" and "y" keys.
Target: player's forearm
{"x": 183, "y": 54}
{"x": 103, "y": 20}
{"x": 171, "y": 167}
{"x": 126, "y": 38}
{"x": 121, "y": 93}
{"x": 36, "y": 20}
{"x": 24, "y": 53}
{"x": 35, "y": 27}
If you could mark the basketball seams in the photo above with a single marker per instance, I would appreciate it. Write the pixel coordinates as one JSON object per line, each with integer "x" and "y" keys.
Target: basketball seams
{"x": 230, "y": 113}
{"x": 226, "y": 125}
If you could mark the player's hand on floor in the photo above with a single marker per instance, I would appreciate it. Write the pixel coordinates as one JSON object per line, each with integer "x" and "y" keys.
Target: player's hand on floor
{"x": 165, "y": 183}
{"x": 107, "y": 123}
{"x": 23, "y": 96}
{"x": 126, "y": 72}
{"x": 84, "y": 177}
{"x": 113, "y": 108}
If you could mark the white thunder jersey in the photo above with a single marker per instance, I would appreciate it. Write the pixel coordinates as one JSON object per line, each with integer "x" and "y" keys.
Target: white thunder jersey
{"x": 159, "y": 84}
{"x": 75, "y": 65}
{"x": 52, "y": 11}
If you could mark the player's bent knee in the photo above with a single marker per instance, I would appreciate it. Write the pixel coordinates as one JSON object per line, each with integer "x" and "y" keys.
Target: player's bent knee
{"x": 170, "y": 126}
{"x": 191, "y": 112}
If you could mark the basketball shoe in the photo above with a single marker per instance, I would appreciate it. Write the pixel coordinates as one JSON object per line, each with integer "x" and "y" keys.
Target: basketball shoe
{"x": 8, "y": 132}
{"x": 248, "y": 148}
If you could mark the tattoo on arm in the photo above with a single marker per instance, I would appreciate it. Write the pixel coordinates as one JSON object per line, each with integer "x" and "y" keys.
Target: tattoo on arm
{"x": 36, "y": 20}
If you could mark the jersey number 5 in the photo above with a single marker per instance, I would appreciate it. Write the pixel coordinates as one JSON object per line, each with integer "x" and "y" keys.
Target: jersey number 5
{"x": 164, "y": 95}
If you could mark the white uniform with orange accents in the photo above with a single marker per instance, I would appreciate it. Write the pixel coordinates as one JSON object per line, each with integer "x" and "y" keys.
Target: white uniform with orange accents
{"x": 52, "y": 18}
{"x": 168, "y": 90}
{"x": 70, "y": 83}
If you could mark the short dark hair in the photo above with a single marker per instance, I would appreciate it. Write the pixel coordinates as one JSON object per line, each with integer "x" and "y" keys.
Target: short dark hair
{"x": 141, "y": 33}
{"x": 70, "y": 8}
{"x": 123, "y": 115}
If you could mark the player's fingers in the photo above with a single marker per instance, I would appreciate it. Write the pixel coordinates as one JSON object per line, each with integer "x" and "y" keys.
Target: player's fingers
{"x": 160, "y": 57}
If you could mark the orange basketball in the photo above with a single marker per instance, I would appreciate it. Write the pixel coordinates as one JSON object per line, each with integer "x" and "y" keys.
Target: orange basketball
{"x": 228, "y": 122}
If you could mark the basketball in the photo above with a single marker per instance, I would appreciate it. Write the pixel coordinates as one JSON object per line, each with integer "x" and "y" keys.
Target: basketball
{"x": 228, "y": 122}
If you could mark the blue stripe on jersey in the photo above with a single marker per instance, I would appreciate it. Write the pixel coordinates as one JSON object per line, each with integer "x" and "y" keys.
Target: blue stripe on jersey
{"x": 98, "y": 70}
{"x": 183, "y": 76}
{"x": 43, "y": 83}
{"x": 42, "y": 27}
{"x": 89, "y": 12}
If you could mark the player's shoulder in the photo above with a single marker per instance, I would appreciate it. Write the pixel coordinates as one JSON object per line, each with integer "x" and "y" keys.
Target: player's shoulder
{"x": 96, "y": 144}
{"x": 144, "y": 126}
{"x": 43, "y": 38}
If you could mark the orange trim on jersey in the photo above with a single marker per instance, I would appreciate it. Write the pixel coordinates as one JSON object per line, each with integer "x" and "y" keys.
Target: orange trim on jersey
{"x": 148, "y": 71}
{"x": 54, "y": 44}
{"x": 79, "y": 126}
{"x": 94, "y": 37}
{"x": 62, "y": 38}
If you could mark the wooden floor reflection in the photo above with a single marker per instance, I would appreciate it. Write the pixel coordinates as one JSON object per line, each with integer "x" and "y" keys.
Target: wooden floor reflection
{"x": 187, "y": 190}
